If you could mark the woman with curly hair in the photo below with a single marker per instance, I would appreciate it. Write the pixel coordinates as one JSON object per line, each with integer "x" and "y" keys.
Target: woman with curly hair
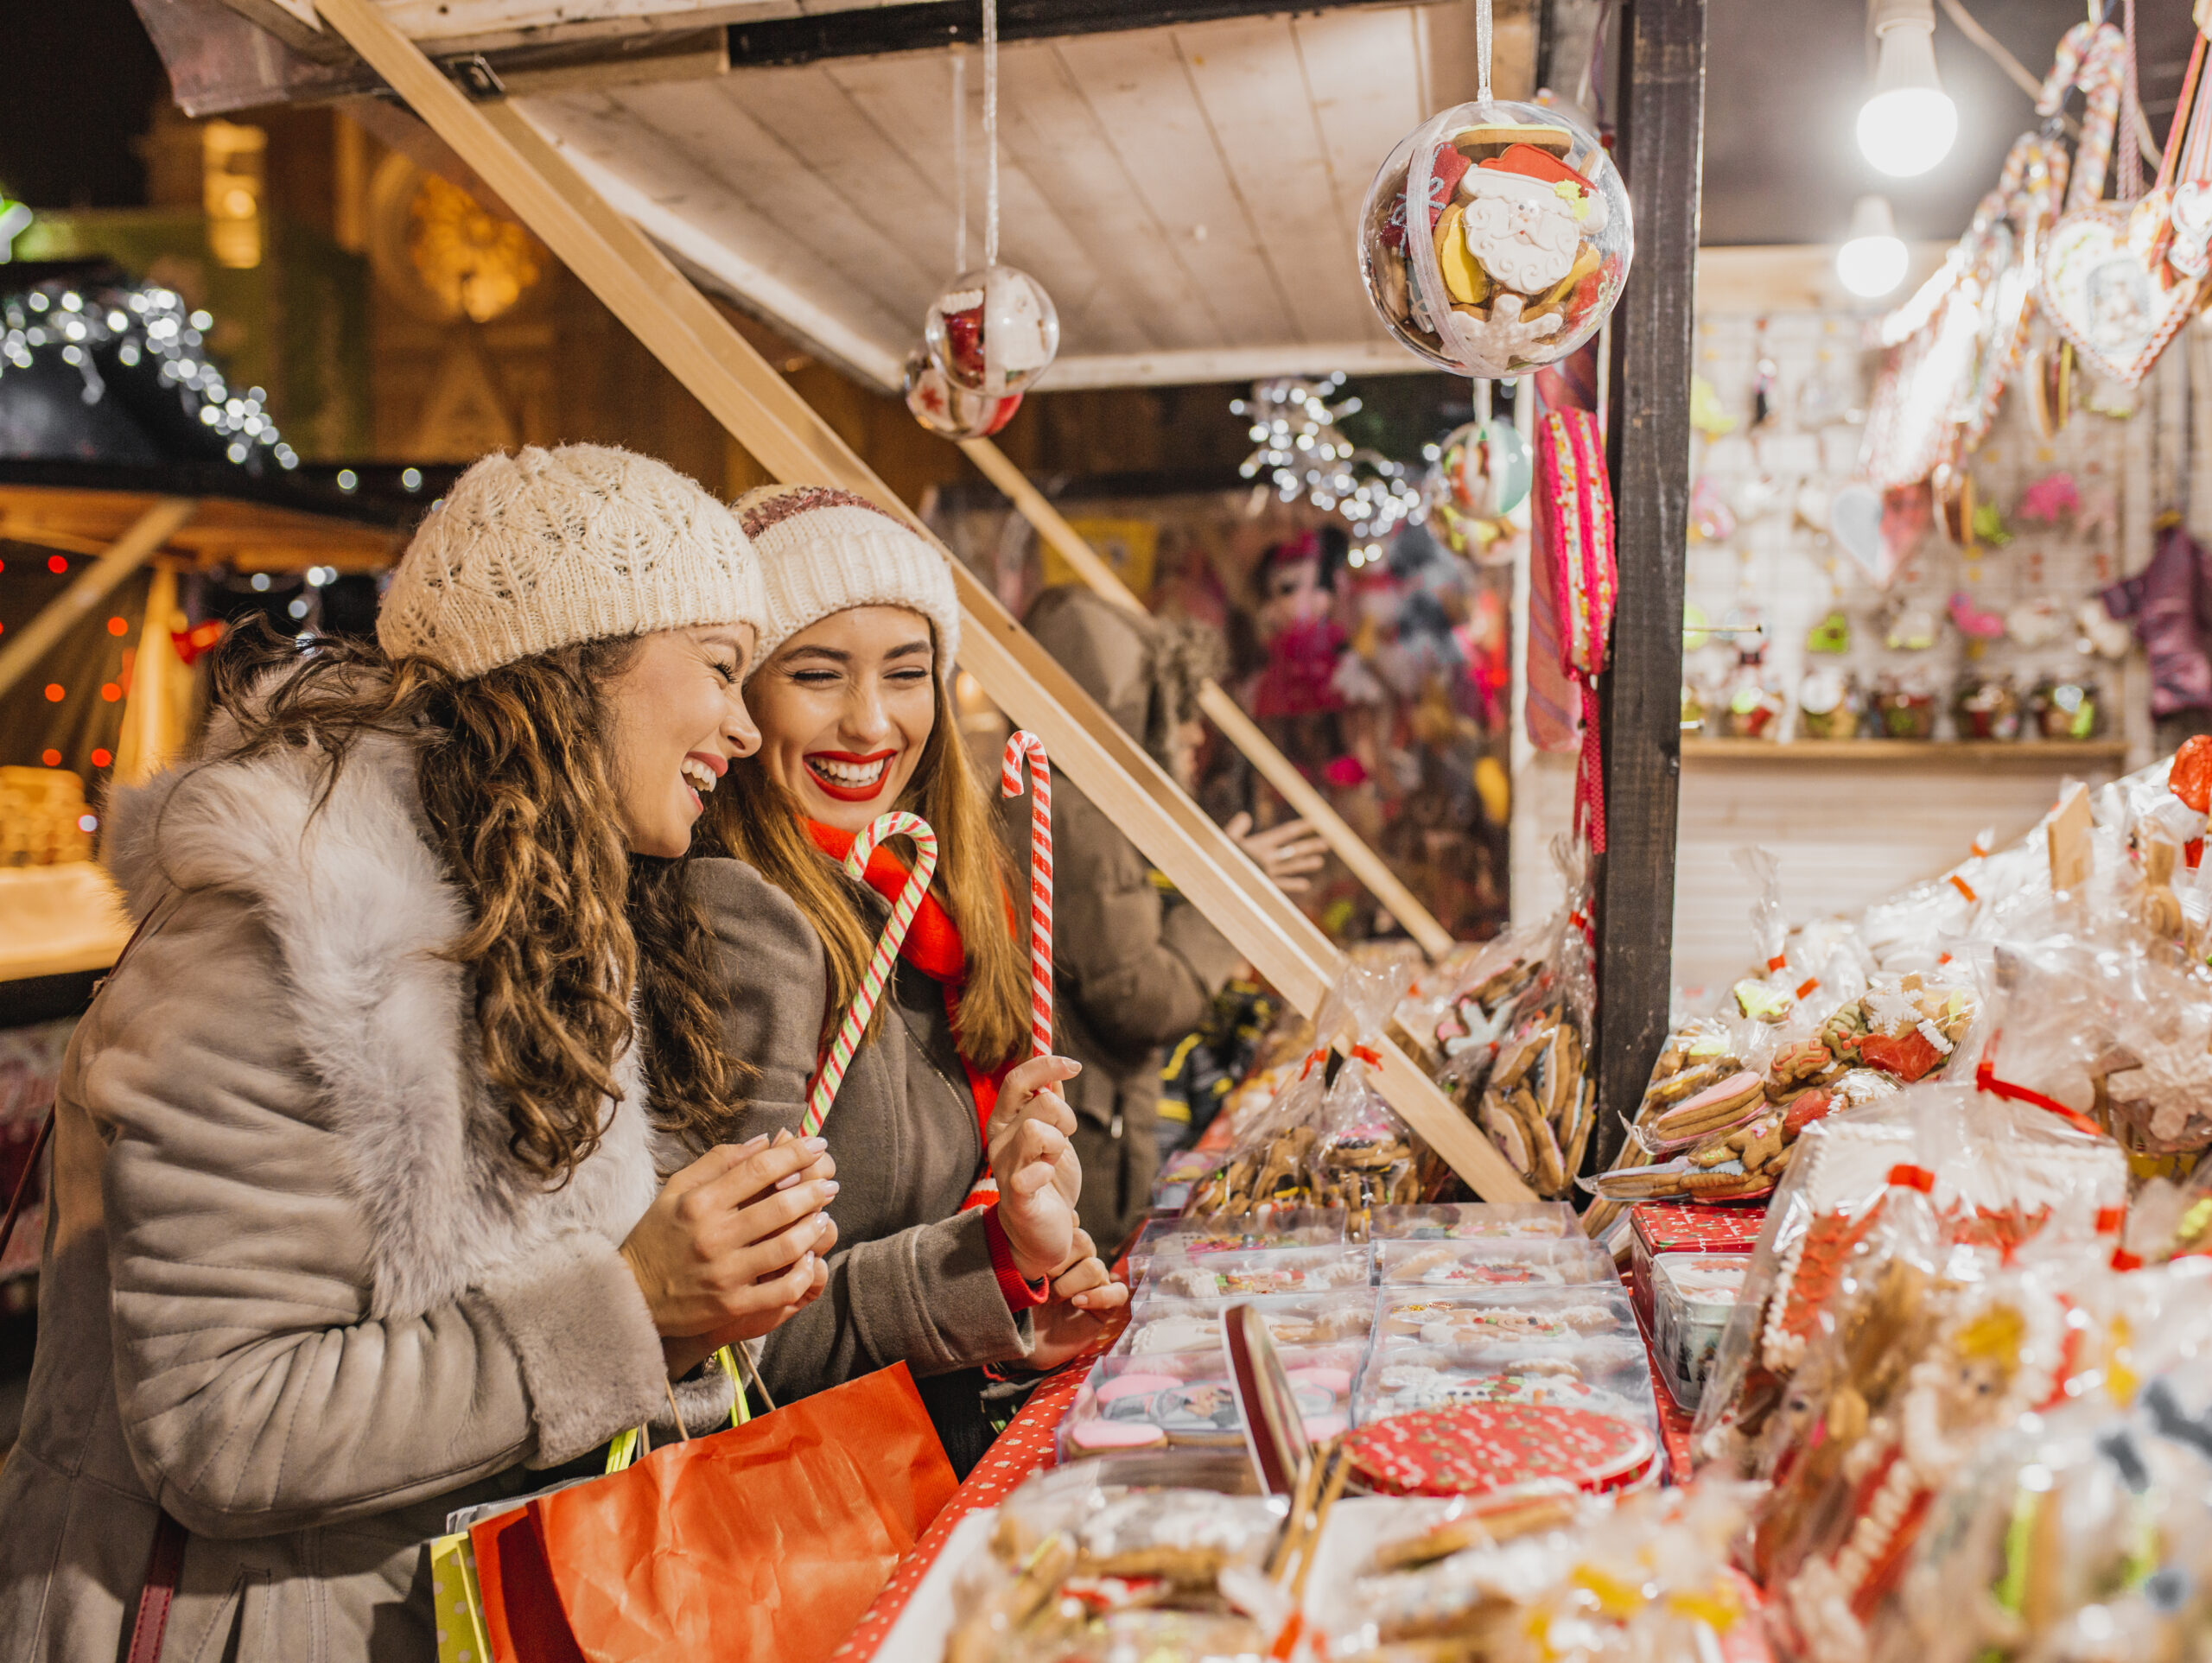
{"x": 852, "y": 694}
{"x": 389, "y": 1171}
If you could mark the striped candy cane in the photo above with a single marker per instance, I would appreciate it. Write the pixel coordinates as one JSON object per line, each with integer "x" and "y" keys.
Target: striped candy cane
{"x": 1025, "y": 744}
{"x": 886, "y": 951}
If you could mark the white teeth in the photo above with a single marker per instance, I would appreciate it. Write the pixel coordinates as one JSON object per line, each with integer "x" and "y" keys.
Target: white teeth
{"x": 699, "y": 774}
{"x": 848, "y": 773}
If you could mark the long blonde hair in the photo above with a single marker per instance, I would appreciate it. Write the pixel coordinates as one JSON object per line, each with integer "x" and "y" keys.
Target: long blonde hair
{"x": 761, "y": 823}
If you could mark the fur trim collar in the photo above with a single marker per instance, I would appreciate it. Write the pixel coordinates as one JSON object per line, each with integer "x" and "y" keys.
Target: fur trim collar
{"x": 358, "y": 904}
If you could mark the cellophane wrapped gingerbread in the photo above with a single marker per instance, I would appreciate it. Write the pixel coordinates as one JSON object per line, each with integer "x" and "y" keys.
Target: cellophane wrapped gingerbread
{"x": 1533, "y": 1577}
{"x": 1127, "y": 1561}
{"x": 1520, "y": 1060}
{"x": 2083, "y": 1533}
{"x": 2000, "y": 1172}
{"x": 1316, "y": 1145}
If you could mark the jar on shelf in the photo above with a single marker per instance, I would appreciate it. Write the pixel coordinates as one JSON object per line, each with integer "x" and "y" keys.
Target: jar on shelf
{"x": 1829, "y": 703}
{"x": 1986, "y": 707}
{"x": 2069, "y": 709}
{"x": 1903, "y": 708}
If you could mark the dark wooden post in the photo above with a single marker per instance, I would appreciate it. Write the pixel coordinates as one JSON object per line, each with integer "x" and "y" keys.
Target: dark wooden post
{"x": 1660, "y": 147}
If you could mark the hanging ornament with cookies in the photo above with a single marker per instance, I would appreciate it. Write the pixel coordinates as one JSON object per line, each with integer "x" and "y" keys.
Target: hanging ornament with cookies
{"x": 994, "y": 331}
{"x": 1521, "y": 245}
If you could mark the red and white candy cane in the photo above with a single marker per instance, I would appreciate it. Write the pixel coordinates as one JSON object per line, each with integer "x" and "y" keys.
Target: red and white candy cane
{"x": 847, "y": 1041}
{"x": 1025, "y": 744}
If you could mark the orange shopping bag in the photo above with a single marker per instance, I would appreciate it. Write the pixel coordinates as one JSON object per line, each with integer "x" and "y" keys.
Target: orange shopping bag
{"x": 763, "y": 1542}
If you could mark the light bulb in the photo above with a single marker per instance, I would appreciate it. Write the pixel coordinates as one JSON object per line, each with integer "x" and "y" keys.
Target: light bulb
{"x": 1908, "y": 124}
{"x": 1873, "y": 260}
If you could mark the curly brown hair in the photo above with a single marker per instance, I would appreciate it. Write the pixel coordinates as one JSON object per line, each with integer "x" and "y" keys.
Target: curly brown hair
{"x": 568, "y": 924}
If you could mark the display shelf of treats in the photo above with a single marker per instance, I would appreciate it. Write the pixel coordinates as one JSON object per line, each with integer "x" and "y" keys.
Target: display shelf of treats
{"x": 2038, "y": 754}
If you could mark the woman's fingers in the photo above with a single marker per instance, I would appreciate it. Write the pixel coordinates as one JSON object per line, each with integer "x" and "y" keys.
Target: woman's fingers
{"x": 743, "y": 1180}
{"x": 1107, "y": 1296}
{"x": 722, "y": 1158}
{"x": 1038, "y": 1073}
{"x": 1087, "y": 1272}
{"x": 785, "y": 1239}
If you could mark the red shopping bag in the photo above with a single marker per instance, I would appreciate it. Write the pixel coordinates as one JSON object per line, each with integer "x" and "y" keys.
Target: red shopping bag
{"x": 763, "y": 1542}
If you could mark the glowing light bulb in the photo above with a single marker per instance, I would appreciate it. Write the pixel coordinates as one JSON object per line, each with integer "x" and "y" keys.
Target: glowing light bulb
{"x": 1873, "y": 260}
{"x": 1908, "y": 124}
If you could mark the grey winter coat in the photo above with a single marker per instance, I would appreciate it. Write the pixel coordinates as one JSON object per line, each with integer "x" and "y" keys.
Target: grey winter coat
{"x": 295, "y": 1289}
{"x": 910, "y": 1279}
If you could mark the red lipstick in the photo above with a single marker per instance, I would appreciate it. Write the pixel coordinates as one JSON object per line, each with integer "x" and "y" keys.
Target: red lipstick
{"x": 838, "y": 793}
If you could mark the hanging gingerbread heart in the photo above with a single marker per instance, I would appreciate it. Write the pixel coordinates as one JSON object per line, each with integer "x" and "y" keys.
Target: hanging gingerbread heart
{"x": 2100, "y": 297}
{"x": 2099, "y": 280}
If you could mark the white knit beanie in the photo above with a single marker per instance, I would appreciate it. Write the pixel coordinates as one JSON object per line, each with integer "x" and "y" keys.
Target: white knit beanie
{"x": 547, "y": 548}
{"x": 824, "y": 550}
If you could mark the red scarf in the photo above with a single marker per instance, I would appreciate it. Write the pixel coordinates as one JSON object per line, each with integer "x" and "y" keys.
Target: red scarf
{"x": 933, "y": 946}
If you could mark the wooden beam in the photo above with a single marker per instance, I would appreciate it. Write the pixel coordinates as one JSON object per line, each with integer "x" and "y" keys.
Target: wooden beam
{"x": 245, "y": 535}
{"x": 1224, "y": 712}
{"x": 1648, "y": 435}
{"x": 758, "y": 408}
{"x": 934, "y": 25}
{"x": 21, "y": 652}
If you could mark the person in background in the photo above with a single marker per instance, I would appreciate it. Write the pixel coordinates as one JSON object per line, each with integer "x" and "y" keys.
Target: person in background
{"x": 1136, "y": 966}
{"x": 390, "y": 1164}
{"x": 856, "y": 718}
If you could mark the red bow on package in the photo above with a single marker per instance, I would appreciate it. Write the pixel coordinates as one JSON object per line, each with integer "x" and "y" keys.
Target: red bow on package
{"x": 1571, "y": 597}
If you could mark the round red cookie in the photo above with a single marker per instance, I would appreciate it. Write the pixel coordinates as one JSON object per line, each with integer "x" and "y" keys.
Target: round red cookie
{"x": 1471, "y": 1448}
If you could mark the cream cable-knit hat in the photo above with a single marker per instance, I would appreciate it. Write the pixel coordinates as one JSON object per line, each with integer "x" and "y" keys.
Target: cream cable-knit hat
{"x": 547, "y": 548}
{"x": 824, "y": 550}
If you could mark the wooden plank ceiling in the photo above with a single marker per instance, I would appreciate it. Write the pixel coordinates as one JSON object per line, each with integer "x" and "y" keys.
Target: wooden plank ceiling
{"x": 1186, "y": 194}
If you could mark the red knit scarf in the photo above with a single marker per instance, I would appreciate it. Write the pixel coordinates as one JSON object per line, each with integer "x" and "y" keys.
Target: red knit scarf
{"x": 933, "y": 946}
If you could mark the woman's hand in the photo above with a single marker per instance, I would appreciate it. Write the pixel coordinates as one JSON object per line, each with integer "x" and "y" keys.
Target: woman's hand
{"x": 1085, "y": 1296}
{"x": 1285, "y": 852}
{"x": 1085, "y": 1282}
{"x": 1038, "y": 1177}
{"x": 734, "y": 1243}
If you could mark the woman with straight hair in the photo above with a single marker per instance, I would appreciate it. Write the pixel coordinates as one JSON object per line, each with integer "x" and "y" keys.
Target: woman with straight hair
{"x": 390, "y": 1173}
{"x": 852, "y": 696}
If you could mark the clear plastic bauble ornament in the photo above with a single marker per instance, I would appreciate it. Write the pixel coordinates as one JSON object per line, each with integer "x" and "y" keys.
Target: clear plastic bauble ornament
{"x": 993, "y": 331}
{"x": 948, "y": 411}
{"x": 1484, "y": 469}
{"x": 1523, "y": 248}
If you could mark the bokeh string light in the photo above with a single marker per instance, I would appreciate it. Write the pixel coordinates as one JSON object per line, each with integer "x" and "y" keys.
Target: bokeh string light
{"x": 125, "y": 329}
{"x": 1306, "y": 457}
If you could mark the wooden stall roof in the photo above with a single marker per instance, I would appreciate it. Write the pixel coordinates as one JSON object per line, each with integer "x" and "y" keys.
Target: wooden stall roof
{"x": 224, "y": 531}
{"x": 1187, "y": 192}
{"x": 1188, "y": 195}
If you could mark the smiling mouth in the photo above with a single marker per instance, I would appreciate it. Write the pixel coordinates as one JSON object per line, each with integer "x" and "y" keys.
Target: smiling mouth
{"x": 849, "y": 779}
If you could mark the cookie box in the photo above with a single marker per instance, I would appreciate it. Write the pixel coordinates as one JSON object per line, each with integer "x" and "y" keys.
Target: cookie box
{"x": 1494, "y": 1264}
{"x": 1242, "y": 1275}
{"x": 1194, "y": 1237}
{"x": 1470, "y": 1221}
{"x": 1604, "y": 1376}
{"x": 1529, "y": 1317}
{"x": 1692, "y": 1295}
{"x": 1657, "y": 1227}
{"x": 1165, "y": 1326}
{"x": 1185, "y": 1400}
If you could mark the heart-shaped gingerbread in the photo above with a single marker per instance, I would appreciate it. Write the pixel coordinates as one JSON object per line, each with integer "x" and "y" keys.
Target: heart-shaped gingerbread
{"x": 2103, "y": 298}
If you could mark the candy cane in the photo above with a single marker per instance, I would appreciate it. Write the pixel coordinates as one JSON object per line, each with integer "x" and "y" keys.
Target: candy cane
{"x": 1027, "y": 745}
{"x": 887, "y": 949}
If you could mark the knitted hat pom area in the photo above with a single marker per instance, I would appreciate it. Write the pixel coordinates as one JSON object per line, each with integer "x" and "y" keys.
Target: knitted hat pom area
{"x": 546, "y": 548}
{"x": 824, "y": 551}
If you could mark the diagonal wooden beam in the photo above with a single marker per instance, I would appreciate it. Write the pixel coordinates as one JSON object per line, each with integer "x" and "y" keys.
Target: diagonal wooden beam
{"x": 758, "y": 408}
{"x": 21, "y": 652}
{"x": 1224, "y": 712}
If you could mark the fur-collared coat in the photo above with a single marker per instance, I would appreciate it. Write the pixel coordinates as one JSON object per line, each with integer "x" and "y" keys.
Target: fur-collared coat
{"x": 295, "y": 1291}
